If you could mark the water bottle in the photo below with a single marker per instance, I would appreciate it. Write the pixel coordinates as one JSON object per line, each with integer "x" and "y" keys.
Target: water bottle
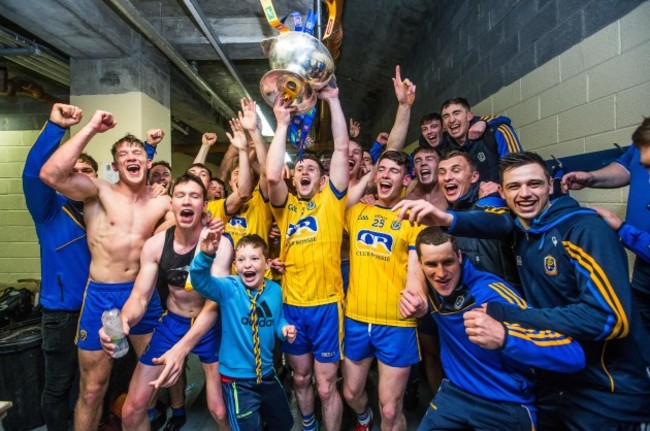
{"x": 112, "y": 323}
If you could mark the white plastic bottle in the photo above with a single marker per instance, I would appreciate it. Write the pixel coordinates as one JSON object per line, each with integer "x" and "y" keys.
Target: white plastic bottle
{"x": 112, "y": 323}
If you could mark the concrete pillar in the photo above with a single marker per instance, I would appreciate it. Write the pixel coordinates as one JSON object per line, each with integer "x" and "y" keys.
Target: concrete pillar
{"x": 135, "y": 89}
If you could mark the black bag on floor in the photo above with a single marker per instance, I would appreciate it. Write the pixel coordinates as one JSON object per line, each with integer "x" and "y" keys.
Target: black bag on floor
{"x": 15, "y": 305}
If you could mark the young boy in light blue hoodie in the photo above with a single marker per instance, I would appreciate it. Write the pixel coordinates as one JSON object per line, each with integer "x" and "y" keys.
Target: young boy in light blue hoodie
{"x": 252, "y": 316}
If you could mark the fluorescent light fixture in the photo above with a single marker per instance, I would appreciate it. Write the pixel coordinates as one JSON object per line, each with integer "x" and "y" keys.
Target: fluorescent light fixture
{"x": 266, "y": 127}
{"x": 287, "y": 158}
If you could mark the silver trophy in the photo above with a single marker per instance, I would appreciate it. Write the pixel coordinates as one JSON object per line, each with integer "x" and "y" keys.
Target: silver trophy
{"x": 300, "y": 66}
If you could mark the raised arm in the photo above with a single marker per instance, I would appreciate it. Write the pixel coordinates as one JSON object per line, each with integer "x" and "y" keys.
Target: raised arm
{"x": 405, "y": 93}
{"x": 58, "y": 170}
{"x": 278, "y": 190}
{"x": 238, "y": 140}
{"x": 40, "y": 197}
{"x": 339, "y": 172}
{"x": 611, "y": 176}
{"x": 248, "y": 120}
{"x": 207, "y": 141}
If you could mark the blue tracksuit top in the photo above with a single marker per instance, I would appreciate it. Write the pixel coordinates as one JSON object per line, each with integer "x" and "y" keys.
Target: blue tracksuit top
{"x": 505, "y": 374}
{"x": 65, "y": 258}
{"x": 236, "y": 358}
{"x": 574, "y": 272}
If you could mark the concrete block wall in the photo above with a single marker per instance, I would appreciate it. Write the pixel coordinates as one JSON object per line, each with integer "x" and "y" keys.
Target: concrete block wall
{"x": 589, "y": 97}
{"x": 19, "y": 251}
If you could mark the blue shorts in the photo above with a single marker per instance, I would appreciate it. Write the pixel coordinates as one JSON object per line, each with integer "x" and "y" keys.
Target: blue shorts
{"x": 171, "y": 329}
{"x": 392, "y": 345}
{"x": 319, "y": 331}
{"x": 100, "y": 297}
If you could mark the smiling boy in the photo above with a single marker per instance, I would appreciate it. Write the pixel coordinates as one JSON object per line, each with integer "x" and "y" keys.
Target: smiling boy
{"x": 252, "y": 316}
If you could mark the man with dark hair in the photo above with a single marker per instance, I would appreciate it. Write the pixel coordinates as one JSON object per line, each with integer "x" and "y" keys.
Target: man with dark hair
{"x": 382, "y": 277}
{"x": 161, "y": 173}
{"x": 189, "y": 323}
{"x": 119, "y": 219}
{"x": 487, "y": 149}
{"x": 311, "y": 223}
{"x": 217, "y": 189}
{"x": 65, "y": 259}
{"x": 431, "y": 131}
{"x": 629, "y": 169}
{"x": 490, "y": 383}
{"x": 574, "y": 271}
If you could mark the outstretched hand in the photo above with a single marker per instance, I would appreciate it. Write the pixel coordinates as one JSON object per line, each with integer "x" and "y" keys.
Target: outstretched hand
{"x": 211, "y": 235}
{"x": 423, "y": 212}
{"x": 248, "y": 114}
{"x": 238, "y": 137}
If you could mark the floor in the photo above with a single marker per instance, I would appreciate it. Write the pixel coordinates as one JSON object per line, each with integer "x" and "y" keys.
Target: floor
{"x": 200, "y": 420}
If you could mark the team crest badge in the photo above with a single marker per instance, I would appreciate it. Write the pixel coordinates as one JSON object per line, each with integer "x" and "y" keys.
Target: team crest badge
{"x": 459, "y": 302}
{"x": 396, "y": 225}
{"x": 550, "y": 265}
{"x": 83, "y": 335}
{"x": 481, "y": 156}
{"x": 311, "y": 205}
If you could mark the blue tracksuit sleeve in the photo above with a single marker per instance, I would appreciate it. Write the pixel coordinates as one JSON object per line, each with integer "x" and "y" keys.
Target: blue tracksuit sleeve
{"x": 507, "y": 140}
{"x": 599, "y": 274}
{"x": 491, "y": 220}
{"x": 376, "y": 150}
{"x": 636, "y": 240}
{"x": 546, "y": 350}
{"x": 150, "y": 149}
{"x": 203, "y": 282}
{"x": 41, "y": 198}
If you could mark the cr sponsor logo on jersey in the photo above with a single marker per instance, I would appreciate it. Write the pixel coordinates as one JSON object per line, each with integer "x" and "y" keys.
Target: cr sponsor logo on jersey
{"x": 376, "y": 242}
{"x": 292, "y": 207}
{"x": 238, "y": 223}
{"x": 305, "y": 227}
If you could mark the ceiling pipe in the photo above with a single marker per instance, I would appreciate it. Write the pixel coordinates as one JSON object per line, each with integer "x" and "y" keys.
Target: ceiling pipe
{"x": 11, "y": 52}
{"x": 212, "y": 37}
{"x": 145, "y": 27}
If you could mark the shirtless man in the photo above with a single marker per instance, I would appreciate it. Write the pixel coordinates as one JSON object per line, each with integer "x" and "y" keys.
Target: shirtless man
{"x": 119, "y": 218}
{"x": 188, "y": 325}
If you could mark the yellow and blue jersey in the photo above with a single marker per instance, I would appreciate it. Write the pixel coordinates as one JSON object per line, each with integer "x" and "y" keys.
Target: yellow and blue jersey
{"x": 310, "y": 246}
{"x": 217, "y": 209}
{"x": 254, "y": 217}
{"x": 379, "y": 249}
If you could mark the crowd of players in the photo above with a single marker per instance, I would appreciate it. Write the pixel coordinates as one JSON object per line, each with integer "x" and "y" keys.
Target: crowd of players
{"x": 462, "y": 255}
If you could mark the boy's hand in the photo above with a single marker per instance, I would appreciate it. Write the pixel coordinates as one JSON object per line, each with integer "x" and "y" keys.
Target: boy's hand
{"x": 289, "y": 332}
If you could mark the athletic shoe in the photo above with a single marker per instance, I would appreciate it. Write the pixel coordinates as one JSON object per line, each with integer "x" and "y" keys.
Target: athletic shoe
{"x": 367, "y": 426}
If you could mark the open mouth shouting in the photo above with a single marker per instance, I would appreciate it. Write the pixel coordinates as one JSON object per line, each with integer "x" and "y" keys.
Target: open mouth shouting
{"x": 452, "y": 191}
{"x": 249, "y": 277}
{"x": 186, "y": 215}
{"x": 133, "y": 168}
{"x": 425, "y": 174}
